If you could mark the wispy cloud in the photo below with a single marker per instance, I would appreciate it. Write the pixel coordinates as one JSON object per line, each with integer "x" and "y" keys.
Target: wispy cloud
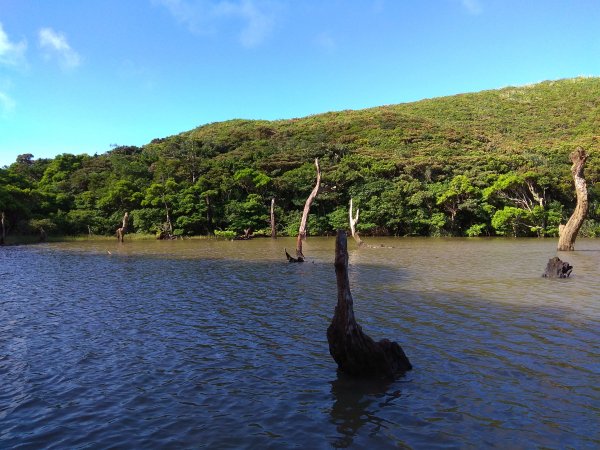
{"x": 11, "y": 53}
{"x": 55, "y": 46}
{"x": 257, "y": 17}
{"x": 326, "y": 42}
{"x": 473, "y": 6}
{"x": 7, "y": 104}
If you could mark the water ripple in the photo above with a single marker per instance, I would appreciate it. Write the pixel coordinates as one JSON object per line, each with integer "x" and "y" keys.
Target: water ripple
{"x": 211, "y": 344}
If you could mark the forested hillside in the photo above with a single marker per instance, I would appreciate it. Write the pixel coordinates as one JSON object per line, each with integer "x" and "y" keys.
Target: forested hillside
{"x": 488, "y": 163}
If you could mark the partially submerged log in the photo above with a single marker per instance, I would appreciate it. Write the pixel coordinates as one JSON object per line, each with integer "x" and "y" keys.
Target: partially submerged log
{"x": 354, "y": 352}
{"x": 353, "y": 222}
{"x": 309, "y": 200}
{"x": 557, "y": 268}
{"x": 123, "y": 229}
{"x": 568, "y": 233}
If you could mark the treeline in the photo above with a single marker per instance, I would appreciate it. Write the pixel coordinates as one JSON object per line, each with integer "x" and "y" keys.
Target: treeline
{"x": 490, "y": 163}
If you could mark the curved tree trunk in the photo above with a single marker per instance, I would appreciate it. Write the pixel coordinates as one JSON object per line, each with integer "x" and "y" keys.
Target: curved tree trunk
{"x": 354, "y": 352}
{"x": 121, "y": 231}
{"x": 353, "y": 222}
{"x": 568, "y": 233}
{"x": 309, "y": 200}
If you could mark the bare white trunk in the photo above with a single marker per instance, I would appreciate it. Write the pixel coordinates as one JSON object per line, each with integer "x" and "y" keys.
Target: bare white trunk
{"x": 353, "y": 222}
{"x": 273, "y": 230}
{"x": 309, "y": 200}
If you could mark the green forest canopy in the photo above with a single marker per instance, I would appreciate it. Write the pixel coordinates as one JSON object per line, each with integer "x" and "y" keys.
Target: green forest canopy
{"x": 489, "y": 163}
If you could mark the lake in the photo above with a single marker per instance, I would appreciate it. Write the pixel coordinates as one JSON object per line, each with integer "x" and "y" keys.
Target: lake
{"x": 222, "y": 344}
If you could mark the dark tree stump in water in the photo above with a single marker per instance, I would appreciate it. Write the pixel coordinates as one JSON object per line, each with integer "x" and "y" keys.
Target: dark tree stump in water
{"x": 354, "y": 352}
{"x": 291, "y": 259}
{"x": 557, "y": 268}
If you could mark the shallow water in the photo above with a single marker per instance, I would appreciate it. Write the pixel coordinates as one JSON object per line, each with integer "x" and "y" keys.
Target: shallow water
{"x": 219, "y": 344}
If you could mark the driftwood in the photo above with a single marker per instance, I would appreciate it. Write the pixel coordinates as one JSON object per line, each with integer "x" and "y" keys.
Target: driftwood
{"x": 123, "y": 229}
{"x": 568, "y": 233}
{"x": 3, "y": 235}
{"x": 353, "y": 222}
{"x": 244, "y": 237}
{"x": 354, "y": 352}
{"x": 273, "y": 229}
{"x": 557, "y": 268}
{"x": 309, "y": 200}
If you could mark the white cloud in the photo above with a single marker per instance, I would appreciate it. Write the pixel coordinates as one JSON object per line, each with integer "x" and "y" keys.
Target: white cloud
{"x": 257, "y": 23}
{"x": 55, "y": 46}
{"x": 206, "y": 17}
{"x": 472, "y": 6}
{"x": 11, "y": 54}
{"x": 7, "y": 104}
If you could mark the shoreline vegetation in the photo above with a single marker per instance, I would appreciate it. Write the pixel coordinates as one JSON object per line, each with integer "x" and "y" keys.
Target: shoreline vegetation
{"x": 492, "y": 163}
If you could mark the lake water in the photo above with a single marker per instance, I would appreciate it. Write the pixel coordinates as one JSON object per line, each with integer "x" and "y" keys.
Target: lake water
{"x": 219, "y": 344}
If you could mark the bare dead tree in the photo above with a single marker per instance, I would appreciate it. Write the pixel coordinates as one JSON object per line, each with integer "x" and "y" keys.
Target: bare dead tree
{"x": 273, "y": 230}
{"x": 568, "y": 233}
{"x": 309, "y": 200}
{"x": 354, "y": 352}
{"x": 3, "y": 235}
{"x": 123, "y": 229}
{"x": 353, "y": 222}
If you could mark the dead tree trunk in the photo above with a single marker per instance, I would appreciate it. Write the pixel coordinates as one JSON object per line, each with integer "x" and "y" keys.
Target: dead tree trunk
{"x": 3, "y": 235}
{"x": 273, "y": 230}
{"x": 354, "y": 352}
{"x": 568, "y": 233}
{"x": 123, "y": 229}
{"x": 309, "y": 200}
{"x": 353, "y": 222}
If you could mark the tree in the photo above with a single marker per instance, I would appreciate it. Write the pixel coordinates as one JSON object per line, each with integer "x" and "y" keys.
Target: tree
{"x": 353, "y": 222}
{"x": 123, "y": 229}
{"x": 162, "y": 194}
{"x": 526, "y": 192}
{"x": 568, "y": 233}
{"x": 459, "y": 198}
{"x": 309, "y": 200}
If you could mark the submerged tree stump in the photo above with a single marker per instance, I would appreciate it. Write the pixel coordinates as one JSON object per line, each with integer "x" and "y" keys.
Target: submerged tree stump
{"x": 557, "y": 268}
{"x": 354, "y": 352}
{"x": 291, "y": 259}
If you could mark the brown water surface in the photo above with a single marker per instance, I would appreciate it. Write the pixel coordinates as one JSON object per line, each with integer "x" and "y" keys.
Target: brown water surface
{"x": 221, "y": 344}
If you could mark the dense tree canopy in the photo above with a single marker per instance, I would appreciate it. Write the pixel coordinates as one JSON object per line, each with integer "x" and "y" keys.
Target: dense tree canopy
{"x": 489, "y": 163}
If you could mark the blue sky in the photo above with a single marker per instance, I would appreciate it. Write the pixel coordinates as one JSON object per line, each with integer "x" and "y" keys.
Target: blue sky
{"x": 79, "y": 76}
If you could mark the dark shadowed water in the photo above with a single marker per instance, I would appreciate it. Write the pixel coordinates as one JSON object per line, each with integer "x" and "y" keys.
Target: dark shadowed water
{"x": 213, "y": 344}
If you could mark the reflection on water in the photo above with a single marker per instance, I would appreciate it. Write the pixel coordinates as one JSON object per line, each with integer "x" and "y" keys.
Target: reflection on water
{"x": 222, "y": 344}
{"x": 356, "y": 402}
